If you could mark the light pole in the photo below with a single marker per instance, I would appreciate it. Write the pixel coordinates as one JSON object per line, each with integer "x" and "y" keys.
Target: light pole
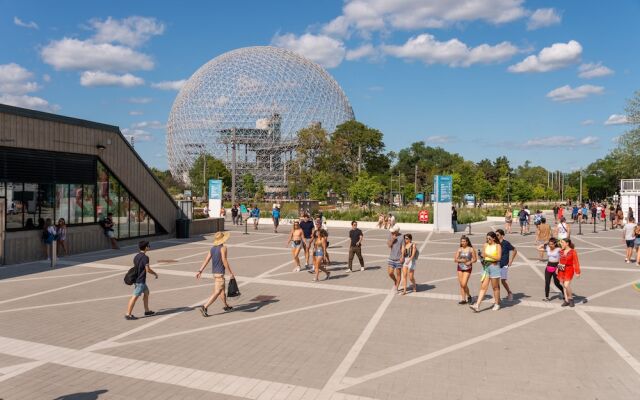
{"x": 580, "y": 195}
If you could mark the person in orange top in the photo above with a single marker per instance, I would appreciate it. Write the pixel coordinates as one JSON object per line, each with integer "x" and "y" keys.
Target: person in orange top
{"x": 568, "y": 267}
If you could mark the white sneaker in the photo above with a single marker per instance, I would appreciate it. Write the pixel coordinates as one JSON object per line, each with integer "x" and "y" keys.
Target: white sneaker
{"x": 348, "y": 271}
{"x": 362, "y": 269}
{"x": 297, "y": 269}
{"x": 626, "y": 260}
{"x": 496, "y": 307}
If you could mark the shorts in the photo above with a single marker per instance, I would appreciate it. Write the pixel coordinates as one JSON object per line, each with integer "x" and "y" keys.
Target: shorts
{"x": 524, "y": 222}
{"x": 411, "y": 264}
{"x": 139, "y": 289}
{"x": 218, "y": 282}
{"x": 295, "y": 245}
{"x": 110, "y": 234}
{"x": 540, "y": 242}
{"x": 637, "y": 243}
{"x": 504, "y": 272}
{"x": 466, "y": 268}
{"x": 318, "y": 253}
{"x": 394, "y": 263}
{"x": 494, "y": 271}
{"x": 630, "y": 243}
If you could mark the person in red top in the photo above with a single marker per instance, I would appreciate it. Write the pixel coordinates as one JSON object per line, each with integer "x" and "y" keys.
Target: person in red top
{"x": 561, "y": 212}
{"x": 568, "y": 267}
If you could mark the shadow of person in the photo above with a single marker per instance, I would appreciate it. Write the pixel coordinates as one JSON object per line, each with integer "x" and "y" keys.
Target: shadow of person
{"x": 83, "y": 396}
{"x": 372, "y": 268}
{"x": 167, "y": 311}
{"x": 254, "y": 306}
{"x": 422, "y": 286}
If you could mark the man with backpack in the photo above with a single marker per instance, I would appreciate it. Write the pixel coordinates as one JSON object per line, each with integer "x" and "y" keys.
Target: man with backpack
{"x": 523, "y": 217}
{"x": 137, "y": 275}
{"x": 509, "y": 253}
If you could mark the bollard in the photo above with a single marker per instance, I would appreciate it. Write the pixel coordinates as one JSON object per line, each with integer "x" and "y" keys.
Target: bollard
{"x": 579, "y": 224}
{"x": 469, "y": 229}
{"x": 246, "y": 220}
{"x": 605, "y": 224}
{"x": 594, "y": 225}
{"x": 54, "y": 253}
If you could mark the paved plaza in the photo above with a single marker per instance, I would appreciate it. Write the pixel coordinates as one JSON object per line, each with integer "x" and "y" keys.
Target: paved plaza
{"x": 63, "y": 335}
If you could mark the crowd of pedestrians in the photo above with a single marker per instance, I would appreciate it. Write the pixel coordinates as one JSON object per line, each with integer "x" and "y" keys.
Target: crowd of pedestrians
{"x": 309, "y": 239}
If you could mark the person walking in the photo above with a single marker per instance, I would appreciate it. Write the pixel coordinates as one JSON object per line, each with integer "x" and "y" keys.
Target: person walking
{"x": 355, "y": 248}
{"x": 543, "y": 234}
{"x": 612, "y": 215}
{"x": 491, "y": 254}
{"x": 394, "y": 266}
{"x": 568, "y": 267}
{"x": 61, "y": 232}
{"x": 48, "y": 237}
{"x": 255, "y": 214}
{"x": 219, "y": 264}
{"x": 140, "y": 288}
{"x": 454, "y": 219}
{"x": 629, "y": 237}
{"x": 555, "y": 213}
{"x": 320, "y": 254}
{"x": 409, "y": 256}
{"x": 275, "y": 217}
{"x": 465, "y": 257}
{"x": 553, "y": 259}
{"x": 295, "y": 239}
{"x": 508, "y": 219}
{"x": 560, "y": 213}
{"x": 637, "y": 245}
{"x": 562, "y": 230}
{"x": 507, "y": 256}
{"x": 234, "y": 214}
{"x": 523, "y": 218}
{"x": 630, "y": 213}
{"x": 307, "y": 229}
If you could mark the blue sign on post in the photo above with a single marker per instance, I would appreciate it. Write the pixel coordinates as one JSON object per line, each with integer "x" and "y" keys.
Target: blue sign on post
{"x": 443, "y": 186}
{"x": 215, "y": 189}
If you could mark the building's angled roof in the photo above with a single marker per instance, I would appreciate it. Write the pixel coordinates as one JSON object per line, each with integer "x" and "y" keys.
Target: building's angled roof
{"x": 25, "y": 112}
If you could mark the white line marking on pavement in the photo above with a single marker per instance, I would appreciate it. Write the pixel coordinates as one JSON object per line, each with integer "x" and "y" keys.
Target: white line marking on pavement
{"x": 614, "y": 344}
{"x": 333, "y": 384}
{"x": 222, "y": 325}
{"x": 14, "y": 370}
{"x": 12, "y": 280}
{"x": 349, "y": 382}
{"x": 57, "y": 289}
{"x": 425, "y": 242}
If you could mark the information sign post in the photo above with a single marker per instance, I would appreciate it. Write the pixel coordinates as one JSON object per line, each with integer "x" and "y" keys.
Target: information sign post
{"x": 215, "y": 198}
{"x": 443, "y": 201}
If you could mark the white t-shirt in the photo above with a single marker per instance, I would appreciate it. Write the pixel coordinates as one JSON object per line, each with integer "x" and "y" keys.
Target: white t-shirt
{"x": 629, "y": 231}
{"x": 562, "y": 231}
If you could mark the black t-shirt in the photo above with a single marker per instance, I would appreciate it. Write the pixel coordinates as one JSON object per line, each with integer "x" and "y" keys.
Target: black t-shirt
{"x": 234, "y": 211}
{"x": 307, "y": 228}
{"x": 454, "y": 215}
{"x": 555, "y": 210}
{"x": 355, "y": 234}
{"x": 141, "y": 261}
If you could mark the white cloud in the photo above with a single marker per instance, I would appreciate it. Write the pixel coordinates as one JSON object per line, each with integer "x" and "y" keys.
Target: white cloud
{"x": 148, "y": 125}
{"x": 616, "y": 119}
{"x": 138, "y": 134}
{"x": 369, "y": 15}
{"x": 588, "y": 122}
{"x": 140, "y": 100}
{"x": 99, "y": 78}
{"x": 567, "y": 93}
{"x": 46, "y": 78}
{"x": 543, "y": 17}
{"x": 567, "y": 141}
{"x": 15, "y": 79}
{"x": 339, "y": 27}
{"x": 440, "y": 139}
{"x": 131, "y": 31}
{"x": 557, "y": 56}
{"x": 594, "y": 70}
{"x": 135, "y": 112}
{"x": 32, "y": 102}
{"x": 366, "y": 50}
{"x": 70, "y": 53}
{"x": 321, "y": 49}
{"x": 453, "y": 52}
{"x": 169, "y": 85}
{"x": 30, "y": 24}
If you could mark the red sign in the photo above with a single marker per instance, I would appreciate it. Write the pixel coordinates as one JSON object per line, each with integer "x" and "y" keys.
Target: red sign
{"x": 423, "y": 216}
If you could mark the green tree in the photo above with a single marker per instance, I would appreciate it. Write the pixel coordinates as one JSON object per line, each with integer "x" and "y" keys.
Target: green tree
{"x": 215, "y": 169}
{"x": 321, "y": 183}
{"x": 365, "y": 189}
{"x": 354, "y": 141}
{"x": 167, "y": 180}
{"x": 249, "y": 185}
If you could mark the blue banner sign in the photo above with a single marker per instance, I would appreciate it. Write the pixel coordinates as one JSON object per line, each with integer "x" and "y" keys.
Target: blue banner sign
{"x": 215, "y": 189}
{"x": 443, "y": 186}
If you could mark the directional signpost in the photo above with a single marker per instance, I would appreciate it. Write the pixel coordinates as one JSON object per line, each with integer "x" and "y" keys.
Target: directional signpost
{"x": 443, "y": 196}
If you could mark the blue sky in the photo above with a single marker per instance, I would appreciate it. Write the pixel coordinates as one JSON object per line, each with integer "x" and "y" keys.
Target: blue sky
{"x": 533, "y": 80}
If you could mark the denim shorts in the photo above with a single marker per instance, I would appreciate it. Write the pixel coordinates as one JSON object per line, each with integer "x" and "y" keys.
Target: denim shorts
{"x": 394, "y": 263}
{"x": 139, "y": 289}
{"x": 494, "y": 271}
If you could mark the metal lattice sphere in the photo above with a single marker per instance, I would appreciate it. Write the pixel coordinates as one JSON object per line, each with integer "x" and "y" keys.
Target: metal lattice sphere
{"x": 247, "y": 106}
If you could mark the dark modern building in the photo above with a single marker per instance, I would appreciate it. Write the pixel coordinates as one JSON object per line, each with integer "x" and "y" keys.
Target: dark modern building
{"x": 54, "y": 167}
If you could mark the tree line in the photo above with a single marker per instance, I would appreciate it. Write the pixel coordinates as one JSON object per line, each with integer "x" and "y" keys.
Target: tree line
{"x": 351, "y": 163}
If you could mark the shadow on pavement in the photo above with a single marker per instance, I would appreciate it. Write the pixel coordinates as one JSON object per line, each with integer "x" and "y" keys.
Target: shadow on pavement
{"x": 82, "y": 396}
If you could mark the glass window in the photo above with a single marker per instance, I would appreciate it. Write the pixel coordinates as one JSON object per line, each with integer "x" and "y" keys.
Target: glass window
{"x": 123, "y": 215}
{"x": 152, "y": 226}
{"x": 45, "y": 201}
{"x": 144, "y": 224}
{"x": 62, "y": 202}
{"x": 75, "y": 192}
{"x": 134, "y": 219}
{"x": 15, "y": 206}
{"x": 103, "y": 192}
{"x": 29, "y": 200}
{"x": 114, "y": 201}
{"x": 2, "y": 192}
{"x": 88, "y": 204}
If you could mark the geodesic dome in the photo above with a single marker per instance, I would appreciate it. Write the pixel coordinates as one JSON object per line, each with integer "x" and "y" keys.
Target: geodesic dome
{"x": 248, "y": 105}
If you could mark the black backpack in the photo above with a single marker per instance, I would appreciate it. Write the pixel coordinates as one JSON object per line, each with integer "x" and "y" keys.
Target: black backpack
{"x": 523, "y": 215}
{"x": 131, "y": 276}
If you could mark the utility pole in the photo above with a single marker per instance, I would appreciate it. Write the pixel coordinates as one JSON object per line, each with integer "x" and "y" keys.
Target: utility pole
{"x": 580, "y": 195}
{"x": 233, "y": 167}
{"x": 204, "y": 172}
{"x": 359, "y": 158}
{"x": 415, "y": 180}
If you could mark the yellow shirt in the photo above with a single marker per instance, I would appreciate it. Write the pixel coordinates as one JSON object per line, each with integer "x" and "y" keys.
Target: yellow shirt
{"x": 491, "y": 252}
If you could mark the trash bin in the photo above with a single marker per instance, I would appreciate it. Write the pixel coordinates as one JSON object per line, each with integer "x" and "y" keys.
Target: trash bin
{"x": 182, "y": 228}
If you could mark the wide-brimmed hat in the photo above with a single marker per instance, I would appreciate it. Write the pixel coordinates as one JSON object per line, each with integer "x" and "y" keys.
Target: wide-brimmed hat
{"x": 394, "y": 229}
{"x": 220, "y": 238}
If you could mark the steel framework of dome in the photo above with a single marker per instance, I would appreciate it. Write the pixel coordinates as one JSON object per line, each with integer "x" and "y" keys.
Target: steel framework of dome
{"x": 246, "y": 106}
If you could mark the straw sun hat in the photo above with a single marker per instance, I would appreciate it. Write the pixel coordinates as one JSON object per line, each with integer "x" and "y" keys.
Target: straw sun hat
{"x": 220, "y": 238}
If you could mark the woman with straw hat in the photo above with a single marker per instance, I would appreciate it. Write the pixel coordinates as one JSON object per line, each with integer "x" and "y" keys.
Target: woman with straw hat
{"x": 219, "y": 264}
